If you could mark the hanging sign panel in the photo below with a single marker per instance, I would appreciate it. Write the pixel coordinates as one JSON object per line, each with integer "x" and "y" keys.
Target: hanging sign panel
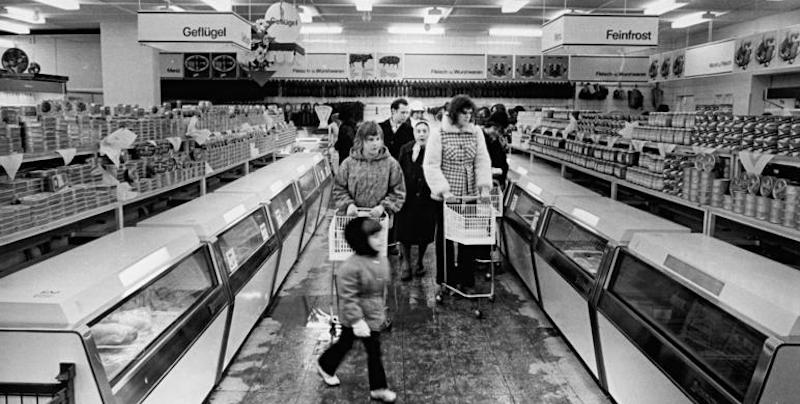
{"x": 362, "y": 66}
{"x": 193, "y": 31}
{"x": 765, "y": 50}
{"x": 390, "y": 66}
{"x": 555, "y": 68}
{"x": 315, "y": 66}
{"x": 171, "y": 65}
{"x": 601, "y": 30}
{"x": 788, "y": 47}
{"x": 528, "y": 67}
{"x": 452, "y": 67}
{"x": 608, "y": 68}
{"x": 653, "y": 66}
{"x": 499, "y": 67}
{"x": 708, "y": 59}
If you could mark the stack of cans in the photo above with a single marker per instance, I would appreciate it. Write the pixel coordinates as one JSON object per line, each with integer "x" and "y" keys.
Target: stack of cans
{"x": 14, "y": 218}
{"x": 791, "y": 198}
{"x": 34, "y": 138}
{"x": 763, "y": 207}
{"x": 718, "y": 190}
{"x": 739, "y": 203}
{"x": 39, "y": 205}
{"x": 10, "y": 139}
{"x": 49, "y": 129}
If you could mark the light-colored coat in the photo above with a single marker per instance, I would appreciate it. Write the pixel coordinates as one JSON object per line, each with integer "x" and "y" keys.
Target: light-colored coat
{"x": 369, "y": 182}
{"x": 458, "y": 172}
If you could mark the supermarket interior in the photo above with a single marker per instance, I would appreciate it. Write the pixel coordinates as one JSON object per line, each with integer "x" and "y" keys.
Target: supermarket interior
{"x": 503, "y": 201}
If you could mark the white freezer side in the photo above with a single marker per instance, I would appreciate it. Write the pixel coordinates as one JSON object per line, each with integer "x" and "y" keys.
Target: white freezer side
{"x": 632, "y": 378}
{"x": 249, "y": 305}
{"x": 569, "y": 311}
{"x": 521, "y": 259}
{"x": 289, "y": 253}
{"x": 192, "y": 378}
{"x": 781, "y": 385}
{"x": 36, "y": 356}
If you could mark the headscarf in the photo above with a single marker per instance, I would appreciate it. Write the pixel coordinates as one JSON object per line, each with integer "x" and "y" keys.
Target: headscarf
{"x": 416, "y": 148}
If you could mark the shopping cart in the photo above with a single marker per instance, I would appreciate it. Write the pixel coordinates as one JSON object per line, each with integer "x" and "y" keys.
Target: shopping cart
{"x": 339, "y": 250}
{"x": 470, "y": 221}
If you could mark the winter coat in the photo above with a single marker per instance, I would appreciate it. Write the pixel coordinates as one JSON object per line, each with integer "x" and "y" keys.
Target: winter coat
{"x": 344, "y": 141}
{"x": 395, "y": 140}
{"x": 497, "y": 153}
{"x": 416, "y": 222}
{"x": 361, "y": 281}
{"x": 457, "y": 161}
{"x": 369, "y": 182}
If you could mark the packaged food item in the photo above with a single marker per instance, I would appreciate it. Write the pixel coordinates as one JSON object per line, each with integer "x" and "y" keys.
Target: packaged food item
{"x": 113, "y": 334}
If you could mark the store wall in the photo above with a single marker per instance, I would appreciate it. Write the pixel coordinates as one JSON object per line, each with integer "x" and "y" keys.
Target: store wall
{"x": 75, "y": 56}
{"x": 611, "y": 105}
{"x": 130, "y": 71}
{"x": 383, "y": 42}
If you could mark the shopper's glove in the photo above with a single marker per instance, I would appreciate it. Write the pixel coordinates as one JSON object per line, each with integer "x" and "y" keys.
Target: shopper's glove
{"x": 447, "y": 196}
{"x": 484, "y": 196}
{"x": 352, "y": 210}
{"x": 377, "y": 211}
{"x": 361, "y": 329}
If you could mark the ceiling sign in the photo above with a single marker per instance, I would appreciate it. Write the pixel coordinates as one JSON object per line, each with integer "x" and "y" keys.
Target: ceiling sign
{"x": 171, "y": 65}
{"x": 194, "y": 31}
{"x": 438, "y": 66}
{"x": 314, "y": 66}
{"x": 608, "y": 68}
{"x": 714, "y": 58}
{"x": 600, "y": 30}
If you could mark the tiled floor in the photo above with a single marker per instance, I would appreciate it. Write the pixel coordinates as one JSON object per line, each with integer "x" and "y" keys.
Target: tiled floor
{"x": 434, "y": 354}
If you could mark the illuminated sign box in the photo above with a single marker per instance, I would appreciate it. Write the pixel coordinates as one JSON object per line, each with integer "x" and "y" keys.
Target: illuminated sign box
{"x": 600, "y": 30}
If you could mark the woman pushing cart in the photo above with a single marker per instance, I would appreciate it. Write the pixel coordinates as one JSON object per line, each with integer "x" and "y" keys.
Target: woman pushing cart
{"x": 458, "y": 170}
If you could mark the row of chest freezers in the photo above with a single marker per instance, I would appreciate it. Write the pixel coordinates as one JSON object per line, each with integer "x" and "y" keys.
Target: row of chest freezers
{"x": 155, "y": 313}
{"x": 657, "y": 314}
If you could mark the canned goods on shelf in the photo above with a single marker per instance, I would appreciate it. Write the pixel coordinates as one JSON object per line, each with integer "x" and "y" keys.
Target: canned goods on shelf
{"x": 762, "y": 207}
{"x": 776, "y": 211}
{"x": 750, "y": 205}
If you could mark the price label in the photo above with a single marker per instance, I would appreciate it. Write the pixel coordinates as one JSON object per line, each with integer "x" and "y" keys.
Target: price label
{"x": 514, "y": 202}
{"x": 290, "y": 205}
{"x": 230, "y": 257}
{"x": 264, "y": 233}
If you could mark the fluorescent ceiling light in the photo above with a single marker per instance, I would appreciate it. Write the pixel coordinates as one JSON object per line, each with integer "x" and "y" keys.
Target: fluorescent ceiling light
{"x": 24, "y": 15}
{"x": 414, "y": 30}
{"x": 521, "y": 32}
{"x": 6, "y": 44}
{"x": 412, "y": 41}
{"x": 691, "y": 19}
{"x": 306, "y": 18}
{"x": 512, "y": 6}
{"x": 13, "y": 27}
{"x": 663, "y": 6}
{"x": 62, "y": 4}
{"x": 363, "y": 5}
{"x": 321, "y": 29}
{"x": 220, "y": 5}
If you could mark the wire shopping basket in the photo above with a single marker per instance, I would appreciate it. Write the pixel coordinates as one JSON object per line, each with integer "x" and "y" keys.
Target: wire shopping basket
{"x": 470, "y": 221}
{"x": 338, "y": 250}
{"x": 496, "y": 196}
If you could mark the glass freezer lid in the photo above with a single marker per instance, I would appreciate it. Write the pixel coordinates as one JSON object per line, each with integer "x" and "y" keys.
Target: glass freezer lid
{"x": 581, "y": 246}
{"x": 283, "y": 205}
{"x": 67, "y": 290}
{"x": 307, "y": 183}
{"x": 208, "y": 215}
{"x": 713, "y": 337}
{"x": 123, "y": 334}
{"x": 242, "y": 240}
{"x": 528, "y": 208}
{"x": 549, "y": 188}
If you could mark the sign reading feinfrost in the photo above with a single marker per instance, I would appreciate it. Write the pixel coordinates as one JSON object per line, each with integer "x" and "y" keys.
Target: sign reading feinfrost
{"x": 600, "y": 30}
{"x": 453, "y": 67}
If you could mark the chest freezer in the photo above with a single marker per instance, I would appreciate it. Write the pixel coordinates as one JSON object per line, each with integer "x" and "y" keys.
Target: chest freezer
{"x": 244, "y": 242}
{"x": 689, "y": 318}
{"x": 140, "y": 313}
{"x": 527, "y": 200}
{"x": 521, "y": 166}
{"x": 325, "y": 177}
{"x": 577, "y": 238}
{"x": 312, "y": 200}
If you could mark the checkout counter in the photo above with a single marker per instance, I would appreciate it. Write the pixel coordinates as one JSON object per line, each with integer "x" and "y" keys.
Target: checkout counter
{"x": 687, "y": 318}
{"x": 141, "y": 313}
{"x": 246, "y": 247}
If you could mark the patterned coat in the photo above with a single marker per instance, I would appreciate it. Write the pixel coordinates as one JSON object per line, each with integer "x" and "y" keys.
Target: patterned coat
{"x": 457, "y": 161}
{"x": 369, "y": 182}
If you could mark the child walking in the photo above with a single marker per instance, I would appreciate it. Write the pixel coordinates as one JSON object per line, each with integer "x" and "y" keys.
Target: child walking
{"x": 416, "y": 221}
{"x": 361, "y": 281}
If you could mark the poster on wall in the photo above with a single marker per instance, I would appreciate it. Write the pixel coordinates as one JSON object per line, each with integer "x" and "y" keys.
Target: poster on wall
{"x": 390, "y": 66}
{"x": 171, "y": 65}
{"x": 678, "y": 64}
{"x": 447, "y": 67}
{"x": 528, "y": 67}
{"x": 362, "y": 66}
{"x": 744, "y": 51}
{"x": 196, "y": 65}
{"x": 499, "y": 67}
{"x": 714, "y": 58}
{"x": 665, "y": 66}
{"x": 788, "y": 47}
{"x": 608, "y": 68}
{"x": 315, "y": 66}
{"x": 555, "y": 68}
{"x": 224, "y": 66}
{"x": 652, "y": 69}
{"x": 765, "y": 51}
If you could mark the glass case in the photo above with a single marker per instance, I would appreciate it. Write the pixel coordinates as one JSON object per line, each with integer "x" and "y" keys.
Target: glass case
{"x": 728, "y": 348}
{"x": 308, "y": 183}
{"x": 323, "y": 170}
{"x": 581, "y": 246}
{"x": 242, "y": 240}
{"x": 526, "y": 207}
{"x": 284, "y": 204}
{"x": 124, "y": 334}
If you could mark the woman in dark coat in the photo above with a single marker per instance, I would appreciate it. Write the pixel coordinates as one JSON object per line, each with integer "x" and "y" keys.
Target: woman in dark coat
{"x": 416, "y": 221}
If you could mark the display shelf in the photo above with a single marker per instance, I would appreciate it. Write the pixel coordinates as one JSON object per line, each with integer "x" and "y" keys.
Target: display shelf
{"x": 29, "y": 158}
{"x": 777, "y": 229}
{"x": 33, "y": 231}
{"x": 661, "y": 195}
{"x": 159, "y": 191}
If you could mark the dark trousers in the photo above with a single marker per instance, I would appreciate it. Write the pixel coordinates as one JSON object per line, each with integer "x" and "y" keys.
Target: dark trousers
{"x": 464, "y": 275}
{"x": 334, "y": 355}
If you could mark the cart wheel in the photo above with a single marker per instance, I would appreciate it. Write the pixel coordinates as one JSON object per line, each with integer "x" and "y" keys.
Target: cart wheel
{"x": 478, "y": 314}
{"x": 439, "y": 299}
{"x": 491, "y": 298}
{"x": 488, "y": 277}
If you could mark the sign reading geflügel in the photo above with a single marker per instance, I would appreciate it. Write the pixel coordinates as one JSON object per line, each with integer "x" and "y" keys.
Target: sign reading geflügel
{"x": 315, "y": 66}
{"x": 608, "y": 68}
{"x": 193, "y": 27}
{"x": 714, "y": 58}
{"x": 600, "y": 30}
{"x": 452, "y": 67}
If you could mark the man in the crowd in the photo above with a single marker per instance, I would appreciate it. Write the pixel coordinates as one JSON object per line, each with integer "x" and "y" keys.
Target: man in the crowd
{"x": 396, "y": 130}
